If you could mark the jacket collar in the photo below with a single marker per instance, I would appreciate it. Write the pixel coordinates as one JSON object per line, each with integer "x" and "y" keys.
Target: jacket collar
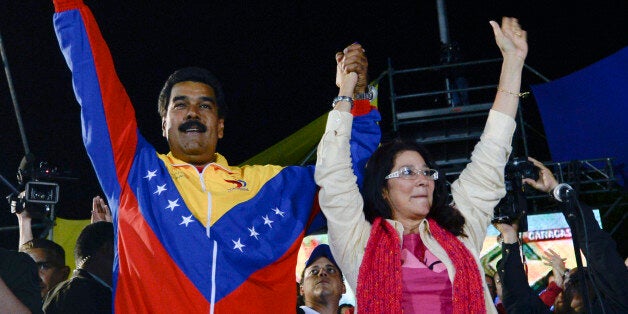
{"x": 221, "y": 162}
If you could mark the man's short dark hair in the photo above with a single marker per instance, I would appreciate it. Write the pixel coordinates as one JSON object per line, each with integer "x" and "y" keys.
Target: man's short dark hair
{"x": 192, "y": 74}
{"x": 92, "y": 238}
{"x": 54, "y": 251}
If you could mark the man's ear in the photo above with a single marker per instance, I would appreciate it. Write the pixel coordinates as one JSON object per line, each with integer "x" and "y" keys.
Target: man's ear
{"x": 221, "y": 128}
{"x": 301, "y": 291}
{"x": 66, "y": 272}
{"x": 164, "y": 133}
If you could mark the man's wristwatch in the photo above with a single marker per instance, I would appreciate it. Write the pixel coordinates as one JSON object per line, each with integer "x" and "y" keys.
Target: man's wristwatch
{"x": 370, "y": 94}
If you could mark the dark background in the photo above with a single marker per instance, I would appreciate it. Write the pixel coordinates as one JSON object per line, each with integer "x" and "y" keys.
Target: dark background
{"x": 274, "y": 58}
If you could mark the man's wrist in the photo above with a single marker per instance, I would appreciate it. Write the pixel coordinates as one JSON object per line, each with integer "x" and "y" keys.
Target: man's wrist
{"x": 365, "y": 93}
{"x": 359, "y": 89}
{"x": 24, "y": 219}
{"x": 560, "y": 192}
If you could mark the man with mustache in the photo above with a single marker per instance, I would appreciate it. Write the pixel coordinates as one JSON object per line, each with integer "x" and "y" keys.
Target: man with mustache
{"x": 193, "y": 233}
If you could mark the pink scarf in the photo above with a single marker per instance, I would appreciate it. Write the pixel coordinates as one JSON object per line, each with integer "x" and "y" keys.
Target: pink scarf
{"x": 379, "y": 279}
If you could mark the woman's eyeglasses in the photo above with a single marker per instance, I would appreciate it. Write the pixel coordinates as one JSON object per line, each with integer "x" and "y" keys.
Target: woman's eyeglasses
{"x": 411, "y": 173}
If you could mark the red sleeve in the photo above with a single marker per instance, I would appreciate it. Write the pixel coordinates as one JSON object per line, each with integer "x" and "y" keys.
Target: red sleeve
{"x": 548, "y": 296}
{"x": 64, "y": 5}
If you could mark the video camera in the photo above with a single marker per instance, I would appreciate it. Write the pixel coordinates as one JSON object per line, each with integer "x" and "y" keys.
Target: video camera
{"x": 514, "y": 205}
{"x": 39, "y": 194}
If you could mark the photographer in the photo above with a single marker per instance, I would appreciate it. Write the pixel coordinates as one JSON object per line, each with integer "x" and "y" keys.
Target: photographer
{"x": 604, "y": 276}
{"x": 517, "y": 296}
{"x": 48, "y": 255}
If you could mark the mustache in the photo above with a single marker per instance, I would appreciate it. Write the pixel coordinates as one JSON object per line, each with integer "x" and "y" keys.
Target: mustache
{"x": 192, "y": 124}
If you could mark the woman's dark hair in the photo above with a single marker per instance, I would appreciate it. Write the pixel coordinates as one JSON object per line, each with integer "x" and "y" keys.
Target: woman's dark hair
{"x": 192, "y": 74}
{"x": 381, "y": 164}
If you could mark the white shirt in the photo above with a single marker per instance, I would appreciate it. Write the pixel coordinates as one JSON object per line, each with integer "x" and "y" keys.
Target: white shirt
{"x": 308, "y": 310}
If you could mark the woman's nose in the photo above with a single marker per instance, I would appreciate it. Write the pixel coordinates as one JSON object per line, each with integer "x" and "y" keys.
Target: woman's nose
{"x": 421, "y": 180}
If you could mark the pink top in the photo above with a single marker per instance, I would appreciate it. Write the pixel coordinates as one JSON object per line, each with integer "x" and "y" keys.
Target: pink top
{"x": 426, "y": 284}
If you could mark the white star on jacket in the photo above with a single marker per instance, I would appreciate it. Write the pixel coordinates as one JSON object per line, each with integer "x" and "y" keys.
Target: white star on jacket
{"x": 253, "y": 233}
{"x": 160, "y": 188}
{"x": 150, "y": 174}
{"x": 186, "y": 220}
{"x": 267, "y": 221}
{"x": 173, "y": 204}
{"x": 278, "y": 212}
{"x": 238, "y": 245}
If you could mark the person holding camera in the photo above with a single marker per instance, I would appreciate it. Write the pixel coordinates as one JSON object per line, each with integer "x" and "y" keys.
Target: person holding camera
{"x": 48, "y": 255}
{"x": 605, "y": 274}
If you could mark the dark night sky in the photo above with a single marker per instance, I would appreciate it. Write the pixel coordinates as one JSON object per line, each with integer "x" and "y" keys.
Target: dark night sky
{"x": 275, "y": 59}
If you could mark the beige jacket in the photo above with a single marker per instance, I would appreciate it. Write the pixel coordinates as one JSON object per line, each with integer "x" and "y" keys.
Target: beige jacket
{"x": 478, "y": 189}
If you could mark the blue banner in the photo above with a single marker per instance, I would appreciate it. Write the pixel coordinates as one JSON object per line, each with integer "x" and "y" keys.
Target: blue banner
{"x": 585, "y": 113}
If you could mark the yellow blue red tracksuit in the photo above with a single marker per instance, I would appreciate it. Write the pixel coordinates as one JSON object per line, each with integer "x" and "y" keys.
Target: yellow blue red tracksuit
{"x": 223, "y": 240}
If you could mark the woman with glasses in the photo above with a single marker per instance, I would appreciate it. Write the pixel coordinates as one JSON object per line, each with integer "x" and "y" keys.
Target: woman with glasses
{"x": 401, "y": 246}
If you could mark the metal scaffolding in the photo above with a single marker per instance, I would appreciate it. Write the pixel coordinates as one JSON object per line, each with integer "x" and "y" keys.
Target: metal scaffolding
{"x": 448, "y": 118}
